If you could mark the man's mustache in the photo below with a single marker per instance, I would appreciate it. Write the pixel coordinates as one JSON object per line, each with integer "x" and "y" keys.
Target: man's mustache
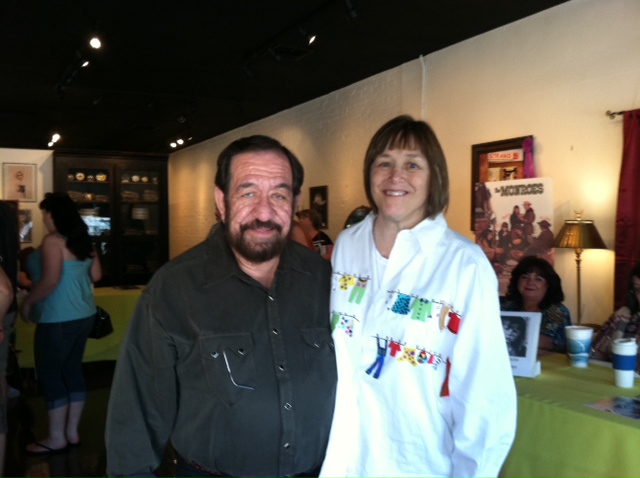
{"x": 257, "y": 224}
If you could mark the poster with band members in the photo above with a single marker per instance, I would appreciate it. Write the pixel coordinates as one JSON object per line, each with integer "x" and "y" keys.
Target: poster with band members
{"x": 514, "y": 219}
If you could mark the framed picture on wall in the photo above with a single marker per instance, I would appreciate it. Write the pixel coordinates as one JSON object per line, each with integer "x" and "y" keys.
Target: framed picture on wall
{"x": 318, "y": 200}
{"x": 502, "y": 160}
{"x": 25, "y": 225}
{"x": 19, "y": 182}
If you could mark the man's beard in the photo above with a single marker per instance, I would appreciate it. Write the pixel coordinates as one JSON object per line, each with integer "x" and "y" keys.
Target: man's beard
{"x": 257, "y": 251}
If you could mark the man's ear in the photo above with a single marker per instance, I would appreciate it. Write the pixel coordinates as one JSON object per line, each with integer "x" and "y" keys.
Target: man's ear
{"x": 219, "y": 195}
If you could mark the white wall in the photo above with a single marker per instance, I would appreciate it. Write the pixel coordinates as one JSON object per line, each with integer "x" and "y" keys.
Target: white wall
{"x": 43, "y": 159}
{"x": 552, "y": 75}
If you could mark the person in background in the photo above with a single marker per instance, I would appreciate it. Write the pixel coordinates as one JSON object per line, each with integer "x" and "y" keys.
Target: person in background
{"x": 297, "y": 234}
{"x": 310, "y": 222}
{"x": 623, "y": 323}
{"x": 63, "y": 307}
{"x": 536, "y": 287}
{"x": 423, "y": 368}
{"x": 24, "y": 280}
{"x": 229, "y": 355}
{"x": 9, "y": 246}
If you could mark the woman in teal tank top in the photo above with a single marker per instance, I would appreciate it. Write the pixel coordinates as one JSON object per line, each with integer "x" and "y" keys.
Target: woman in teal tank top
{"x": 61, "y": 304}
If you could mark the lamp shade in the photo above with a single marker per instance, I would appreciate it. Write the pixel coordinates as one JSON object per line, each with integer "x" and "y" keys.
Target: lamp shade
{"x": 579, "y": 234}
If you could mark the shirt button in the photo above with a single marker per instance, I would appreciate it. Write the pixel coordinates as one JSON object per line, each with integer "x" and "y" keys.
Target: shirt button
{"x": 286, "y": 445}
{"x": 271, "y": 298}
{"x": 281, "y": 368}
{"x": 288, "y": 406}
{"x": 274, "y": 331}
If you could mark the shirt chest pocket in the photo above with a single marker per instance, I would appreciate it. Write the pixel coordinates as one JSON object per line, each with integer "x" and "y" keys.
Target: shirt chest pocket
{"x": 229, "y": 366}
{"x": 319, "y": 351}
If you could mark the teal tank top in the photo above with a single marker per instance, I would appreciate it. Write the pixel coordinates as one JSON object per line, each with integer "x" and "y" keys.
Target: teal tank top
{"x": 72, "y": 299}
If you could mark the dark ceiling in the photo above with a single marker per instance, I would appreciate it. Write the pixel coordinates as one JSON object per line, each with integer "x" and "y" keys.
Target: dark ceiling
{"x": 200, "y": 68}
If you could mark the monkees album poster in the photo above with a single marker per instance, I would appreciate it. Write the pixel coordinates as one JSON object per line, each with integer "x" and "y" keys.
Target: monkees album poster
{"x": 514, "y": 219}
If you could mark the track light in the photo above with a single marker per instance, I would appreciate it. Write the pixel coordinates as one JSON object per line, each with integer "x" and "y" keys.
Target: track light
{"x": 55, "y": 137}
{"x": 309, "y": 37}
{"x": 95, "y": 42}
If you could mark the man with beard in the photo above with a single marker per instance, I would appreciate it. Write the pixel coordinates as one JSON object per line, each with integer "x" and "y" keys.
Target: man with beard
{"x": 229, "y": 355}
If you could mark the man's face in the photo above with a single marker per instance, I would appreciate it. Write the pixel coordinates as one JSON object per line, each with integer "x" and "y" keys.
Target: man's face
{"x": 258, "y": 210}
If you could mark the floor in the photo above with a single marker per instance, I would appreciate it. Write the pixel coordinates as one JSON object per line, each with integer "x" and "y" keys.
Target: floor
{"x": 28, "y": 420}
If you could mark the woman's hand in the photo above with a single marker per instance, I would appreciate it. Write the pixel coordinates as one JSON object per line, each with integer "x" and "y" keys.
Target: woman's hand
{"x": 623, "y": 314}
{"x": 25, "y": 311}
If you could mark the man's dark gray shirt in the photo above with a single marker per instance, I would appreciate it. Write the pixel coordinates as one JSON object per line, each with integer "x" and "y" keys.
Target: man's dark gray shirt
{"x": 239, "y": 378}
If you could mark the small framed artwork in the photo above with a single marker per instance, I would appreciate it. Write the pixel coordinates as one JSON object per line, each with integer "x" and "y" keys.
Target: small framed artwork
{"x": 25, "y": 225}
{"x": 318, "y": 200}
{"x": 19, "y": 182}
{"x": 502, "y": 160}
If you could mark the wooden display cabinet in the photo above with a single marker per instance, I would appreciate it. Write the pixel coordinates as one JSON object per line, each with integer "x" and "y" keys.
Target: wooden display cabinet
{"x": 123, "y": 200}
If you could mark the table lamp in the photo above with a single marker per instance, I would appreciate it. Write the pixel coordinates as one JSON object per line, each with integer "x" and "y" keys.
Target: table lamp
{"x": 579, "y": 234}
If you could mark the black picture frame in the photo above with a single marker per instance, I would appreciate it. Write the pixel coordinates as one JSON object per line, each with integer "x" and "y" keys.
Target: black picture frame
{"x": 480, "y": 166}
{"x": 319, "y": 200}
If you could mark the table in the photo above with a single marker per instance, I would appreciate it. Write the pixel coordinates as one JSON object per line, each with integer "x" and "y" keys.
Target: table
{"x": 120, "y": 304}
{"x": 559, "y": 436}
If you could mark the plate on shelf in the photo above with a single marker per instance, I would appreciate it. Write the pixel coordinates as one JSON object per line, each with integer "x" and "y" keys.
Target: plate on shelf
{"x": 79, "y": 176}
{"x": 125, "y": 178}
{"x": 135, "y": 178}
{"x": 101, "y": 177}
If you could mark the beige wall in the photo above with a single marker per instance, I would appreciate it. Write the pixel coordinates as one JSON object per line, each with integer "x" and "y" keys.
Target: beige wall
{"x": 552, "y": 75}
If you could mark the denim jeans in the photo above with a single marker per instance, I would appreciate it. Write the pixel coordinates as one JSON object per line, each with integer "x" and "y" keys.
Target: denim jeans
{"x": 59, "y": 348}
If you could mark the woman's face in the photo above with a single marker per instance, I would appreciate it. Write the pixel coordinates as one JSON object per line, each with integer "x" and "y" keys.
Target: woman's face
{"x": 400, "y": 186}
{"x": 516, "y": 209}
{"x": 532, "y": 287}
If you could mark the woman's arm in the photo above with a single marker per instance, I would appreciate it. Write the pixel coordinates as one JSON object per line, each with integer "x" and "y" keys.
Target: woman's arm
{"x": 52, "y": 260}
{"x": 6, "y": 298}
{"x": 96, "y": 269}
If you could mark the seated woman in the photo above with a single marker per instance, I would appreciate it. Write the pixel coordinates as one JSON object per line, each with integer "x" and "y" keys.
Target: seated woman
{"x": 536, "y": 287}
{"x": 623, "y": 323}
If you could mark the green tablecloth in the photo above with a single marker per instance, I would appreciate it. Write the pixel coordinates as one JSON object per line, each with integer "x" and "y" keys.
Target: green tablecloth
{"x": 559, "y": 436}
{"x": 120, "y": 305}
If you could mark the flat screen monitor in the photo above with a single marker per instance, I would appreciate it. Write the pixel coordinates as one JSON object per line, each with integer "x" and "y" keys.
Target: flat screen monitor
{"x": 97, "y": 225}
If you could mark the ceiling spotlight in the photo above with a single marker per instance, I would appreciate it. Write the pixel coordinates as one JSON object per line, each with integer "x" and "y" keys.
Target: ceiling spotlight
{"x": 180, "y": 141}
{"x": 95, "y": 42}
{"x": 173, "y": 144}
{"x": 84, "y": 63}
{"x": 309, "y": 37}
{"x": 55, "y": 137}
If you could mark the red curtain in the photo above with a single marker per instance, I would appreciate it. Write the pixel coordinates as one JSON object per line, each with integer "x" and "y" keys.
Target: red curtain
{"x": 628, "y": 214}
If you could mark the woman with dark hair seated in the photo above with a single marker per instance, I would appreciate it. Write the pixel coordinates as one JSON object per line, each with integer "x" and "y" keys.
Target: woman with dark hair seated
{"x": 623, "y": 323}
{"x": 536, "y": 287}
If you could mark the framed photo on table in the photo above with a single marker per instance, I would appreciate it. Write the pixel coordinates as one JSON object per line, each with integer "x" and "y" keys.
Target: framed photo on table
{"x": 19, "y": 182}
{"x": 522, "y": 334}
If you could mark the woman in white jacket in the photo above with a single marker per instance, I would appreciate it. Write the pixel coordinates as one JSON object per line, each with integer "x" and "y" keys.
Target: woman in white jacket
{"x": 424, "y": 380}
